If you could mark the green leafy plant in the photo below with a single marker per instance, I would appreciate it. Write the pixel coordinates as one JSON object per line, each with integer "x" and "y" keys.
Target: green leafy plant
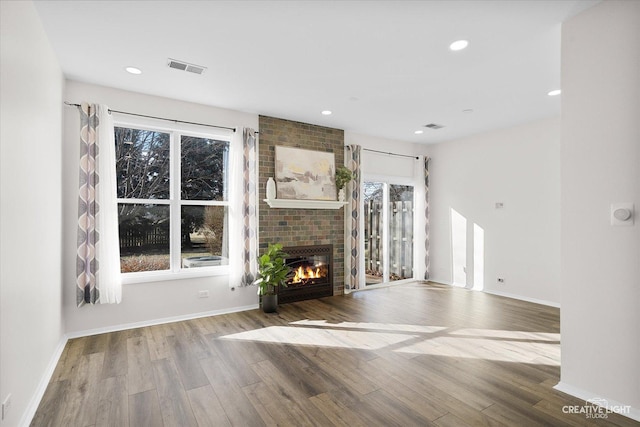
{"x": 343, "y": 176}
{"x": 272, "y": 270}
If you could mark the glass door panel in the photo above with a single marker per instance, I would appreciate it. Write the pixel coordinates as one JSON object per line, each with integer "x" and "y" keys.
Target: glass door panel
{"x": 373, "y": 232}
{"x": 400, "y": 232}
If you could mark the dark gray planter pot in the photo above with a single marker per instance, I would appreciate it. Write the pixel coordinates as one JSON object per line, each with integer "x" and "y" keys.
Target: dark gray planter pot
{"x": 269, "y": 303}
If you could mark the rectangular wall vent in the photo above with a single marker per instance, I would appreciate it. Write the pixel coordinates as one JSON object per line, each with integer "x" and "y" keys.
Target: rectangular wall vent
{"x": 185, "y": 66}
{"x": 434, "y": 126}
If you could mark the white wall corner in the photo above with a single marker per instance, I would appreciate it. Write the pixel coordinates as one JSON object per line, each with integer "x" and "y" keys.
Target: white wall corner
{"x": 32, "y": 407}
{"x": 600, "y": 166}
{"x": 522, "y": 298}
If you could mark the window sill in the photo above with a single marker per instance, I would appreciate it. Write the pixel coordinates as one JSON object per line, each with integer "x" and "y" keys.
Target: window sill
{"x": 163, "y": 276}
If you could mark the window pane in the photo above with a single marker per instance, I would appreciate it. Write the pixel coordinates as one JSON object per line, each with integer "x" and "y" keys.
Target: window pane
{"x": 373, "y": 229}
{"x": 142, "y": 164}
{"x": 400, "y": 232}
{"x": 204, "y": 236}
{"x": 144, "y": 237}
{"x": 400, "y": 193}
{"x": 204, "y": 168}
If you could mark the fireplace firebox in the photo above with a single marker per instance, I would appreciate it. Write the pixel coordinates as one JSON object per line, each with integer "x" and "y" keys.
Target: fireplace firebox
{"x": 311, "y": 273}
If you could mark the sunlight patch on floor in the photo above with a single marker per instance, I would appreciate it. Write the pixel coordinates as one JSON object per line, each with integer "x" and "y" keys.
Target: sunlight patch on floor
{"x": 487, "y": 349}
{"x": 367, "y": 325}
{"x": 470, "y": 343}
{"x": 497, "y": 333}
{"x": 322, "y": 337}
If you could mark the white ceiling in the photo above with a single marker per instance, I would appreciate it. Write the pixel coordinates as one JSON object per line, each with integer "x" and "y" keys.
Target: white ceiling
{"x": 382, "y": 67}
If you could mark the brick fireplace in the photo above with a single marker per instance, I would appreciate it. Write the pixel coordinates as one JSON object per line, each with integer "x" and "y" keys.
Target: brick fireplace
{"x": 295, "y": 228}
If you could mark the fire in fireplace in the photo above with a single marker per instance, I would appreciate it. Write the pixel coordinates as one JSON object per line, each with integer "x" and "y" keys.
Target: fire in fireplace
{"x": 311, "y": 273}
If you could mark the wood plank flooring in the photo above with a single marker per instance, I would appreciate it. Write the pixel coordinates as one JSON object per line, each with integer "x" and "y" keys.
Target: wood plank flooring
{"x": 412, "y": 355}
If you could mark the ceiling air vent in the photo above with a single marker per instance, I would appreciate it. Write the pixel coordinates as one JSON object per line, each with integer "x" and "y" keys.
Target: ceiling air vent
{"x": 185, "y": 66}
{"x": 434, "y": 126}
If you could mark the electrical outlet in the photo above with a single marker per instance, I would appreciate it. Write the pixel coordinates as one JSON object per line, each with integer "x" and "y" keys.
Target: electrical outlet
{"x": 6, "y": 404}
{"x": 501, "y": 280}
{"x": 203, "y": 294}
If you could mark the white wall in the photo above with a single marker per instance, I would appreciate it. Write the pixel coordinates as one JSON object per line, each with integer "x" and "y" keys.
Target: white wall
{"x": 384, "y": 164}
{"x": 519, "y": 167}
{"x": 600, "y": 314}
{"x": 30, "y": 207}
{"x": 141, "y": 302}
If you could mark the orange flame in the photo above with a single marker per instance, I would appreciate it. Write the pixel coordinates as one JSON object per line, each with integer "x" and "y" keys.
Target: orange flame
{"x": 307, "y": 273}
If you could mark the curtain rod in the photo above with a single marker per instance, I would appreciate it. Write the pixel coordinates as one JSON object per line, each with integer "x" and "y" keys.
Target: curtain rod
{"x": 160, "y": 118}
{"x": 390, "y": 154}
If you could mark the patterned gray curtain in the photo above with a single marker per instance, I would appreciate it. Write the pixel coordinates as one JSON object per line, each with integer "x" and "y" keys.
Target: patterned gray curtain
{"x": 354, "y": 226}
{"x": 249, "y": 226}
{"x": 98, "y": 250}
{"x": 427, "y": 262}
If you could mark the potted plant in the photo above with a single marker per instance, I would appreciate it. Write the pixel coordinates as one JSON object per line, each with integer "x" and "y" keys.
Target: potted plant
{"x": 343, "y": 176}
{"x": 272, "y": 272}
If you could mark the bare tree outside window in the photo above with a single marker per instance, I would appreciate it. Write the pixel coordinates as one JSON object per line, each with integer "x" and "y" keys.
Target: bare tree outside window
{"x": 142, "y": 164}
{"x": 144, "y": 180}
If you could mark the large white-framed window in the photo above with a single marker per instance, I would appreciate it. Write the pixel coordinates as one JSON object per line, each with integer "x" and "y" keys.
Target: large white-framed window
{"x": 173, "y": 199}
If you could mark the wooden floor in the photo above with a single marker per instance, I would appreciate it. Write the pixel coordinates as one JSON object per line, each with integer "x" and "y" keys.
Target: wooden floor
{"x": 411, "y": 355}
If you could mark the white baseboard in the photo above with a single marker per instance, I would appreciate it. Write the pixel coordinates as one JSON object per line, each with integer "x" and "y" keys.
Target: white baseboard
{"x": 633, "y": 413}
{"x": 446, "y": 283}
{"x": 520, "y": 297}
{"x": 32, "y": 407}
{"x": 503, "y": 294}
{"x": 382, "y": 285}
{"x": 144, "y": 323}
{"x": 440, "y": 282}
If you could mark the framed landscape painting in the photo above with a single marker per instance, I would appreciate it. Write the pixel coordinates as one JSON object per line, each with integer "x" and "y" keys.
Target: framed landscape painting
{"x": 305, "y": 174}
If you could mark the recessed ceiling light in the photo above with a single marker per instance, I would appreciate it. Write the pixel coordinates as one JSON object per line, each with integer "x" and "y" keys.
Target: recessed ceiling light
{"x": 326, "y": 113}
{"x": 555, "y": 92}
{"x": 418, "y": 132}
{"x": 458, "y": 45}
{"x": 133, "y": 70}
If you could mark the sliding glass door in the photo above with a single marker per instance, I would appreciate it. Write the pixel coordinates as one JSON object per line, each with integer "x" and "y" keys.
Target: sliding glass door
{"x": 388, "y": 231}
